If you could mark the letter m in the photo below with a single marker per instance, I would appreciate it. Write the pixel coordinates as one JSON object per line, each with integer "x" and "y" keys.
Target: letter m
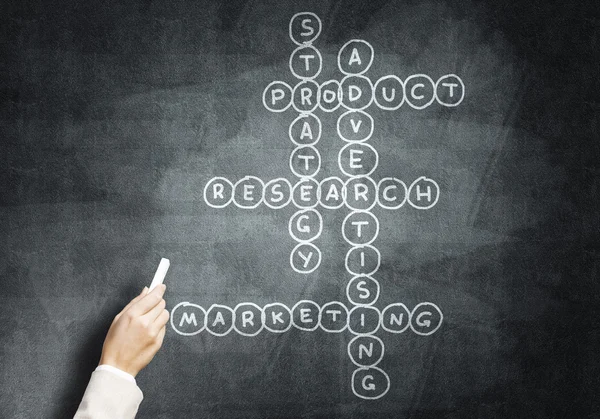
{"x": 188, "y": 318}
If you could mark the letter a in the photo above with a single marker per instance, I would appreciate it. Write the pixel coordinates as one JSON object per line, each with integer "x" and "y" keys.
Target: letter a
{"x": 333, "y": 193}
{"x": 354, "y": 57}
{"x": 219, "y": 319}
{"x": 306, "y": 131}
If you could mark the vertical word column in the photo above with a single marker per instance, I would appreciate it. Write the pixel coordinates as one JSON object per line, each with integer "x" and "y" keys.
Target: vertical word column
{"x": 305, "y": 63}
{"x": 306, "y": 224}
{"x": 357, "y": 160}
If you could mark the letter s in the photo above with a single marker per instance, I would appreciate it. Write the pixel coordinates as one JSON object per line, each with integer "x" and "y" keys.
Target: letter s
{"x": 365, "y": 293}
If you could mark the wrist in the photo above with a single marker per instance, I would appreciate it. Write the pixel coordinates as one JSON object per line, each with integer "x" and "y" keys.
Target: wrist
{"x": 104, "y": 360}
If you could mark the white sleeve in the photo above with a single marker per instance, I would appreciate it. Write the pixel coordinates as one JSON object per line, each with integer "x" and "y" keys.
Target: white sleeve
{"x": 114, "y": 370}
{"x": 110, "y": 396}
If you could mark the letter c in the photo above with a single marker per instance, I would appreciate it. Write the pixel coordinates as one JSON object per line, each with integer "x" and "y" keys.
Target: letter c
{"x": 412, "y": 91}
{"x": 385, "y": 193}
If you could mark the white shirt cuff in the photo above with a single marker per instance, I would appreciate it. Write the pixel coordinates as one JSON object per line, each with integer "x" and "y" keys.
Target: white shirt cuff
{"x": 116, "y": 371}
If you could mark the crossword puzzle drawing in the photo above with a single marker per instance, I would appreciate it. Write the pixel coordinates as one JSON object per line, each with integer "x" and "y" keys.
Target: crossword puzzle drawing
{"x": 357, "y": 192}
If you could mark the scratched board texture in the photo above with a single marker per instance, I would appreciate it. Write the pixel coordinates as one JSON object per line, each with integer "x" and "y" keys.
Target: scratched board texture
{"x": 115, "y": 115}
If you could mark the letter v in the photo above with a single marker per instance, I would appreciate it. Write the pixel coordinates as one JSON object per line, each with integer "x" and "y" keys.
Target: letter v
{"x": 355, "y": 126}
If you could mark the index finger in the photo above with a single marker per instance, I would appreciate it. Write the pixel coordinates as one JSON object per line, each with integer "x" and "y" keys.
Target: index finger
{"x": 132, "y": 302}
{"x": 148, "y": 302}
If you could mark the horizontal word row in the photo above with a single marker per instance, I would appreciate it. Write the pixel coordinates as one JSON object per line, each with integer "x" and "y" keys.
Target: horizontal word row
{"x": 357, "y": 92}
{"x": 248, "y": 319}
{"x": 357, "y": 193}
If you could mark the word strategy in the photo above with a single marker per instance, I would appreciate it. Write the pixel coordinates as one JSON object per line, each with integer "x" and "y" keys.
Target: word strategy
{"x": 360, "y": 193}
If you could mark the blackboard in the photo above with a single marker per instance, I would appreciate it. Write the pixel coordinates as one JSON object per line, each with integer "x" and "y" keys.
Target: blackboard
{"x": 463, "y": 283}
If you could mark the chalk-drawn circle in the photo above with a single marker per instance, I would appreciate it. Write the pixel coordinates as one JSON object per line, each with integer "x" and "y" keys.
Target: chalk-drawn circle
{"x": 364, "y": 381}
{"x": 299, "y": 193}
{"x": 281, "y": 88}
{"x": 433, "y": 189}
{"x": 382, "y": 99}
{"x": 285, "y": 318}
{"x": 363, "y": 290}
{"x": 188, "y": 318}
{"x": 227, "y": 190}
{"x": 383, "y": 197}
{"x": 257, "y": 313}
{"x": 330, "y": 323}
{"x": 258, "y": 201}
{"x": 456, "y": 82}
{"x": 355, "y": 126}
{"x": 362, "y": 153}
{"x": 424, "y": 327}
{"x": 303, "y": 254}
{"x": 364, "y": 320}
{"x": 376, "y": 346}
{"x": 299, "y": 57}
{"x": 300, "y": 22}
{"x": 306, "y": 124}
{"x": 226, "y": 320}
{"x": 397, "y": 313}
{"x": 356, "y": 92}
{"x": 298, "y": 311}
{"x": 360, "y": 218}
{"x": 361, "y": 193}
{"x": 306, "y": 96}
{"x": 283, "y": 197}
{"x": 314, "y": 217}
{"x": 308, "y": 156}
{"x": 350, "y": 52}
{"x": 332, "y": 187}
{"x": 329, "y": 98}
{"x": 363, "y": 260}
{"x": 426, "y": 94}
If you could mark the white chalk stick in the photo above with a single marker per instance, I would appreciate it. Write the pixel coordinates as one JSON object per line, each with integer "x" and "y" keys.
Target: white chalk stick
{"x": 160, "y": 274}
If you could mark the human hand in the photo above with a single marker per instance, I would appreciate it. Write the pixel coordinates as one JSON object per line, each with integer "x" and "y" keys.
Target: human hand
{"x": 137, "y": 332}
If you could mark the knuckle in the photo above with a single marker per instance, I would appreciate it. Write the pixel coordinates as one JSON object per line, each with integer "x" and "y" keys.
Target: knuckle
{"x": 142, "y": 323}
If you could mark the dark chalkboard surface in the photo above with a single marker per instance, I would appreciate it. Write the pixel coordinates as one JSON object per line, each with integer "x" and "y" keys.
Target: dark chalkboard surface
{"x": 372, "y": 209}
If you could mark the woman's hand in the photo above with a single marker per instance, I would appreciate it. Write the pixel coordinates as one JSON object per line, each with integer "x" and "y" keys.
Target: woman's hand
{"x": 137, "y": 332}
